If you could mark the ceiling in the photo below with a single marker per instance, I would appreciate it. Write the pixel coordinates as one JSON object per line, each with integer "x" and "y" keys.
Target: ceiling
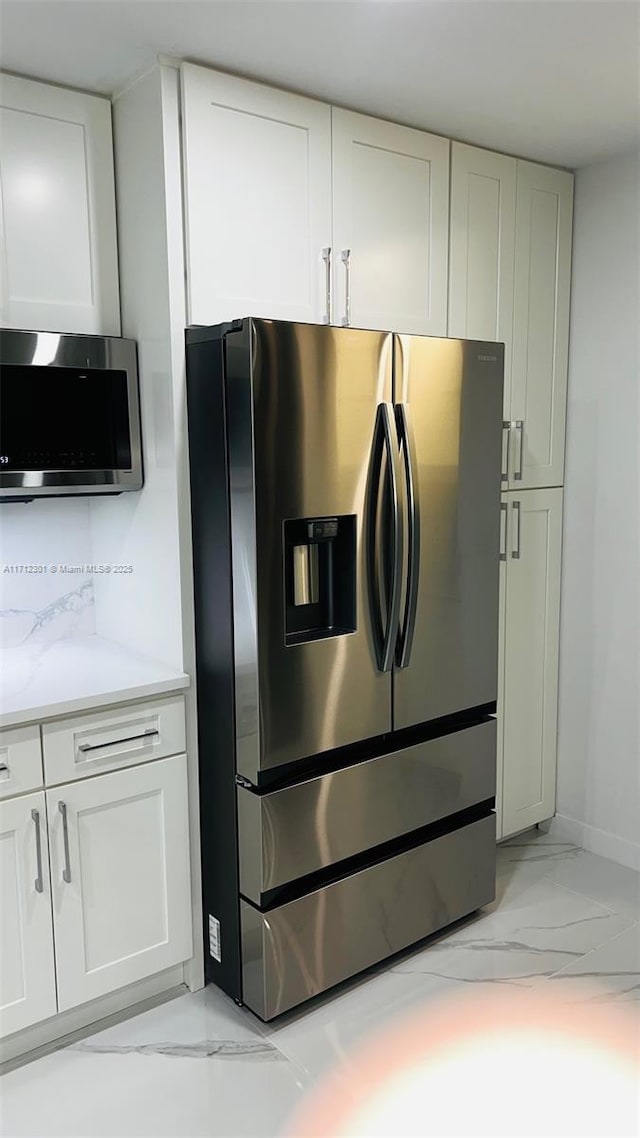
{"x": 553, "y": 80}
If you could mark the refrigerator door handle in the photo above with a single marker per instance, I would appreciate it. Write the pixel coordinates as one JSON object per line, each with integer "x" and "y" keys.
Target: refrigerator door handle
{"x": 408, "y": 445}
{"x": 386, "y": 426}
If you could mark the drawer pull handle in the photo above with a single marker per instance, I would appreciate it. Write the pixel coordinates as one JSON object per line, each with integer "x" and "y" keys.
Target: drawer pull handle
{"x": 38, "y": 884}
{"x": 66, "y": 872}
{"x": 84, "y": 747}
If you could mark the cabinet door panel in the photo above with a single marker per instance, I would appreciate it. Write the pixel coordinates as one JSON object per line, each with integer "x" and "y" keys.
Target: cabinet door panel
{"x": 482, "y": 242}
{"x": 27, "y": 978}
{"x": 531, "y": 658}
{"x": 125, "y": 912}
{"x": 59, "y": 269}
{"x": 390, "y": 209}
{"x": 257, "y": 171}
{"x": 541, "y": 324}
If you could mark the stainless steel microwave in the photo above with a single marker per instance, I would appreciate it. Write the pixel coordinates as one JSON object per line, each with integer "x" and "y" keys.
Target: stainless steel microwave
{"x": 69, "y": 415}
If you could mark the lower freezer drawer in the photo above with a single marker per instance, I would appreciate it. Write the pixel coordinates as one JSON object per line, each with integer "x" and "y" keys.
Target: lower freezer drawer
{"x": 289, "y": 833}
{"x": 306, "y": 946}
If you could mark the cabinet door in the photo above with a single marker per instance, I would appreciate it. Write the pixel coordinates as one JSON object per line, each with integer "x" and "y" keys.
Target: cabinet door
{"x": 27, "y": 977}
{"x": 544, "y": 210}
{"x": 481, "y": 250}
{"x": 120, "y": 878}
{"x": 257, "y": 173}
{"x": 59, "y": 268}
{"x": 390, "y": 223}
{"x": 530, "y": 689}
{"x": 502, "y": 616}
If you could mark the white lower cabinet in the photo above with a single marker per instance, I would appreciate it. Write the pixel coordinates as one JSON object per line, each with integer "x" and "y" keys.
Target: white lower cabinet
{"x": 27, "y": 973}
{"x": 528, "y": 689}
{"x": 120, "y": 878}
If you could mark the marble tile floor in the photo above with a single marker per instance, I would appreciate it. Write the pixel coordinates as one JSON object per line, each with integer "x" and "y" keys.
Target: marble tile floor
{"x": 564, "y": 922}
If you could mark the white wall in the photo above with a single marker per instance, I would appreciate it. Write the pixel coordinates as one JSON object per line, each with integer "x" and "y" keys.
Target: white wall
{"x": 143, "y": 609}
{"x": 598, "y": 747}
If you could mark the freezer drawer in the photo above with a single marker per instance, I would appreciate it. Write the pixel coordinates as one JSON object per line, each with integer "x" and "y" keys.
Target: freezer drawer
{"x": 304, "y": 828}
{"x": 306, "y": 946}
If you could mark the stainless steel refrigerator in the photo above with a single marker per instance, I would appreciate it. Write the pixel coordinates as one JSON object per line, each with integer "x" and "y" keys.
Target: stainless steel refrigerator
{"x": 345, "y": 489}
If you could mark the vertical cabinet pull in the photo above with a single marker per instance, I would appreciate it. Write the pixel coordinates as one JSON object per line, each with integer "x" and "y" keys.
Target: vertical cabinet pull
{"x": 516, "y": 549}
{"x": 66, "y": 872}
{"x": 519, "y": 426}
{"x": 506, "y": 428}
{"x": 38, "y": 883}
{"x": 326, "y": 257}
{"x": 345, "y": 257}
{"x": 503, "y": 531}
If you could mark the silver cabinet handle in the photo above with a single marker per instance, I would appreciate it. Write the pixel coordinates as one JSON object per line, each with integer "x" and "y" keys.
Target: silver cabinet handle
{"x": 345, "y": 257}
{"x": 519, "y": 426}
{"x": 38, "y": 883}
{"x": 506, "y": 428}
{"x": 503, "y": 530}
{"x": 66, "y": 872}
{"x": 516, "y": 549}
{"x": 84, "y": 747}
{"x": 326, "y": 257}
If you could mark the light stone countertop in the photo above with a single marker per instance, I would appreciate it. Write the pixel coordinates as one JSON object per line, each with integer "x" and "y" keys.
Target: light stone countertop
{"x": 43, "y": 681}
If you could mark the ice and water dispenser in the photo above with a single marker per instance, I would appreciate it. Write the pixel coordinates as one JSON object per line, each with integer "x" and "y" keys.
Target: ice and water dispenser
{"x": 320, "y": 577}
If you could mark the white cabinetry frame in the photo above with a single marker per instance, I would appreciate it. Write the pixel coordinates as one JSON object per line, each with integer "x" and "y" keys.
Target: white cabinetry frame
{"x": 482, "y": 250}
{"x": 529, "y": 658}
{"x": 97, "y": 867}
{"x": 544, "y": 212}
{"x": 59, "y": 265}
{"x": 27, "y": 974}
{"x": 119, "y": 878}
{"x": 257, "y": 184}
{"x": 510, "y": 270}
{"x": 390, "y": 225}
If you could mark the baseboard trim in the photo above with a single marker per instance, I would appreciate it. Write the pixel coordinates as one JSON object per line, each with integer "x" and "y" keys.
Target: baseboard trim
{"x": 67, "y": 1027}
{"x": 597, "y": 841}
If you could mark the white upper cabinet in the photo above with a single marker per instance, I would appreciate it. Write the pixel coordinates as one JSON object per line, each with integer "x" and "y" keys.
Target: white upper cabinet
{"x": 59, "y": 265}
{"x": 481, "y": 251}
{"x": 544, "y": 211}
{"x": 390, "y": 225}
{"x": 27, "y": 978}
{"x": 257, "y": 183}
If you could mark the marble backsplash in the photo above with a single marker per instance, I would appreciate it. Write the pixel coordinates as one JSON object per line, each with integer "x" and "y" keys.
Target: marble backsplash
{"x": 46, "y": 592}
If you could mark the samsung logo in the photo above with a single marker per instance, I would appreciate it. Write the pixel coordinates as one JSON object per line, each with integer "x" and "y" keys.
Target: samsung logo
{"x": 488, "y": 359}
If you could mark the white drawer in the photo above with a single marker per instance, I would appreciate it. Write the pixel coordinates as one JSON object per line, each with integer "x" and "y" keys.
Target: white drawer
{"x": 20, "y": 760}
{"x": 82, "y": 745}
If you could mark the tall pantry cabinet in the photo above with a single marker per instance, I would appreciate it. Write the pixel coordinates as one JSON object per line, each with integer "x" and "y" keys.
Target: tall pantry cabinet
{"x": 297, "y": 210}
{"x": 510, "y": 265}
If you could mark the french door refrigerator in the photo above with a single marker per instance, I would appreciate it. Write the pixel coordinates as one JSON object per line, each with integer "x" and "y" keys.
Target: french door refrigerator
{"x": 345, "y": 489}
